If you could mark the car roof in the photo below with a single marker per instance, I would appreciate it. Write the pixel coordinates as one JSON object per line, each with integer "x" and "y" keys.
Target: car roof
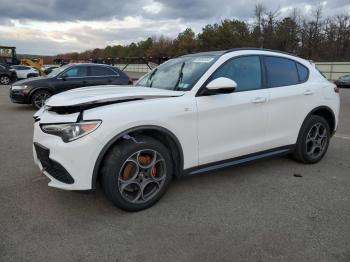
{"x": 89, "y": 64}
{"x": 210, "y": 53}
{"x": 222, "y": 52}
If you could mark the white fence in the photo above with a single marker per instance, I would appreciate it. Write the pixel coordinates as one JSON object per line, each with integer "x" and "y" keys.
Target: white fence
{"x": 333, "y": 70}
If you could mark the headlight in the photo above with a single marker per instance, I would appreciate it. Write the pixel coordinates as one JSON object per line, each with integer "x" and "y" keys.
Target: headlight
{"x": 73, "y": 131}
{"x": 19, "y": 87}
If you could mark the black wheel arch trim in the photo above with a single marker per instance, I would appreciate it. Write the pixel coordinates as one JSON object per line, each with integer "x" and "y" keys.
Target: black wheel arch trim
{"x": 312, "y": 112}
{"x": 120, "y": 135}
{"x": 36, "y": 89}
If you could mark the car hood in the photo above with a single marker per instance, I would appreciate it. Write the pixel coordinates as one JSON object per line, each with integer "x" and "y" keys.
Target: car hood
{"x": 105, "y": 94}
{"x": 29, "y": 81}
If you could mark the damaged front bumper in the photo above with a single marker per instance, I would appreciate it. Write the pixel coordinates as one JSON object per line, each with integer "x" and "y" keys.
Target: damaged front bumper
{"x": 70, "y": 165}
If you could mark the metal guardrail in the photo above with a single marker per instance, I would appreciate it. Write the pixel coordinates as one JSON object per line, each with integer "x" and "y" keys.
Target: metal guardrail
{"x": 332, "y": 70}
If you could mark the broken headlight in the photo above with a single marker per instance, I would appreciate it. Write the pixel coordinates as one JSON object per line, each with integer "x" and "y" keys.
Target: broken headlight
{"x": 73, "y": 131}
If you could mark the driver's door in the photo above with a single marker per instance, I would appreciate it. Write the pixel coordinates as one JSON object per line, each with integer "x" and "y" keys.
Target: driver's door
{"x": 74, "y": 77}
{"x": 232, "y": 125}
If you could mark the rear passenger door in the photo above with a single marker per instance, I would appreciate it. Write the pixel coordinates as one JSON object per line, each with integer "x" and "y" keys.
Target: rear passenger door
{"x": 103, "y": 75}
{"x": 289, "y": 99}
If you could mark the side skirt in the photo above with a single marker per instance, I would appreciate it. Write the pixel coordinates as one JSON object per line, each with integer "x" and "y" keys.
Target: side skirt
{"x": 280, "y": 151}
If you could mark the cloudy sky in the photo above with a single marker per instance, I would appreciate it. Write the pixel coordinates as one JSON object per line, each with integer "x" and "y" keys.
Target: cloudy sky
{"x": 57, "y": 26}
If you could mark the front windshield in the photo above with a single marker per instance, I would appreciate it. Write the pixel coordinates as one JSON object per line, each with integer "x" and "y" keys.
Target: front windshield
{"x": 178, "y": 74}
{"x": 55, "y": 72}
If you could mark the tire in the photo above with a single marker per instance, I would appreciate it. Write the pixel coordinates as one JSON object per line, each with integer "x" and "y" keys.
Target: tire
{"x": 5, "y": 80}
{"x": 313, "y": 140}
{"x": 39, "y": 97}
{"x": 136, "y": 173}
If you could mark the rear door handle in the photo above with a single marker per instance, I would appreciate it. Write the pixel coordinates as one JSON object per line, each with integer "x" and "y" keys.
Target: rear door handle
{"x": 308, "y": 92}
{"x": 259, "y": 100}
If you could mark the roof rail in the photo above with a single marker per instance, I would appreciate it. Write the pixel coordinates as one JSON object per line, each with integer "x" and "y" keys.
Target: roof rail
{"x": 257, "y": 49}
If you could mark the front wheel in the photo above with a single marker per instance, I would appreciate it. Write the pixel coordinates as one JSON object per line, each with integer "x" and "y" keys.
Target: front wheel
{"x": 136, "y": 173}
{"x": 39, "y": 98}
{"x": 313, "y": 140}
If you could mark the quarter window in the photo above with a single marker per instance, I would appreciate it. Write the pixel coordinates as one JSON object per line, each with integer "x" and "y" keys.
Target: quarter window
{"x": 303, "y": 72}
{"x": 280, "y": 71}
{"x": 102, "y": 71}
{"x": 245, "y": 71}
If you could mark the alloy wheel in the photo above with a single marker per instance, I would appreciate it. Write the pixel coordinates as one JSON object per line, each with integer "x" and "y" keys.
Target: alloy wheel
{"x": 316, "y": 140}
{"x": 40, "y": 99}
{"x": 142, "y": 176}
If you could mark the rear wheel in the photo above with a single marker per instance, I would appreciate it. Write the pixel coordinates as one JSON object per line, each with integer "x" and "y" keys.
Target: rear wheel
{"x": 4, "y": 80}
{"x": 136, "y": 173}
{"x": 39, "y": 98}
{"x": 313, "y": 140}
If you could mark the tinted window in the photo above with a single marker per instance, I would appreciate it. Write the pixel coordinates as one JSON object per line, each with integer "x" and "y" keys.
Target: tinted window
{"x": 21, "y": 67}
{"x": 281, "y": 71}
{"x": 77, "y": 71}
{"x": 245, "y": 71}
{"x": 101, "y": 71}
{"x": 303, "y": 72}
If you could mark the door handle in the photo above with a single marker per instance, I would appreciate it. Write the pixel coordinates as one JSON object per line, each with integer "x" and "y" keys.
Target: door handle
{"x": 259, "y": 100}
{"x": 308, "y": 92}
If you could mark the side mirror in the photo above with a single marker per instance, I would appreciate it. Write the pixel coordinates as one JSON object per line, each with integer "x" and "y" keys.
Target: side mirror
{"x": 221, "y": 85}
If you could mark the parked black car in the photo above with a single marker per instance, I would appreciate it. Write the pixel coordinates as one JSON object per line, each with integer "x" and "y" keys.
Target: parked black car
{"x": 36, "y": 90}
{"x": 343, "y": 81}
{"x": 7, "y": 75}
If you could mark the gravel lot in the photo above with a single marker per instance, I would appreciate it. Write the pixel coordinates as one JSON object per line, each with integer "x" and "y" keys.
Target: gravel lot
{"x": 256, "y": 212}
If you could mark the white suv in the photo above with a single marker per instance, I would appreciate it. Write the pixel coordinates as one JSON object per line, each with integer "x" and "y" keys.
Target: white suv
{"x": 192, "y": 114}
{"x": 24, "y": 71}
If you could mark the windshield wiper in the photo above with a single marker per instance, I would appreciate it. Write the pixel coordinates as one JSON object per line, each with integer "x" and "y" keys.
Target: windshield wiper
{"x": 179, "y": 79}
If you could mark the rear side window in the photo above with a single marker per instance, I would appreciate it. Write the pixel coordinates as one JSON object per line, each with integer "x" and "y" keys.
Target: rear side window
{"x": 280, "y": 71}
{"x": 303, "y": 72}
{"x": 245, "y": 71}
{"x": 102, "y": 71}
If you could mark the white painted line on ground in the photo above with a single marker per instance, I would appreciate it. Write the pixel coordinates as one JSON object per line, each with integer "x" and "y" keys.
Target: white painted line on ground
{"x": 342, "y": 136}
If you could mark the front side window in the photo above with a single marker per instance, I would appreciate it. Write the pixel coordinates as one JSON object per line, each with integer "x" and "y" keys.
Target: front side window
{"x": 101, "y": 71}
{"x": 179, "y": 73}
{"x": 58, "y": 70}
{"x": 77, "y": 71}
{"x": 245, "y": 71}
{"x": 280, "y": 71}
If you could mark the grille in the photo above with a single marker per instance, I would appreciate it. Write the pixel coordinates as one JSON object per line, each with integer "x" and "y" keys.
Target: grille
{"x": 55, "y": 169}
